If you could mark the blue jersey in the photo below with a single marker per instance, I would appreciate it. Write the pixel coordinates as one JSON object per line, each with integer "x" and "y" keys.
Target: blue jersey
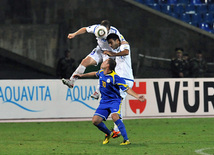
{"x": 110, "y": 85}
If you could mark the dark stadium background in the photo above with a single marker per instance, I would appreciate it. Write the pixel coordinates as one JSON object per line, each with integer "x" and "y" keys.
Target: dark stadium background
{"x": 33, "y": 36}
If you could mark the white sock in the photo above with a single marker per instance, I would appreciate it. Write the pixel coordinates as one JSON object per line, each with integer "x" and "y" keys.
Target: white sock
{"x": 116, "y": 127}
{"x": 80, "y": 70}
{"x": 98, "y": 88}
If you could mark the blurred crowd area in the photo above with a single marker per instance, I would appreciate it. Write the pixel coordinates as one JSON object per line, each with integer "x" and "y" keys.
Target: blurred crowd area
{"x": 182, "y": 65}
{"x": 34, "y": 37}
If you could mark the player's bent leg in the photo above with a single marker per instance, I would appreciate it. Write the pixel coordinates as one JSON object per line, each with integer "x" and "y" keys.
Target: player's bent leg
{"x": 107, "y": 137}
{"x": 96, "y": 94}
{"x": 97, "y": 121}
{"x": 68, "y": 83}
{"x": 121, "y": 127}
{"x": 116, "y": 132}
{"x": 88, "y": 61}
{"x": 125, "y": 142}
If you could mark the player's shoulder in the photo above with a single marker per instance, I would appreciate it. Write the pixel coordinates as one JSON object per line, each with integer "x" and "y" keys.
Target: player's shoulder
{"x": 113, "y": 30}
{"x": 92, "y": 28}
{"x": 113, "y": 73}
{"x": 115, "y": 76}
{"x": 125, "y": 46}
{"x": 100, "y": 71}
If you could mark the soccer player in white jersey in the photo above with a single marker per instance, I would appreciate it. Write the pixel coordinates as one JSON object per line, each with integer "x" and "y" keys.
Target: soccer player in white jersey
{"x": 122, "y": 54}
{"x": 96, "y": 56}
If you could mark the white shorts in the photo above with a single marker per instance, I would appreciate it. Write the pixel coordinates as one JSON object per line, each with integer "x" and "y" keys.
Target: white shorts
{"x": 97, "y": 55}
{"x": 130, "y": 84}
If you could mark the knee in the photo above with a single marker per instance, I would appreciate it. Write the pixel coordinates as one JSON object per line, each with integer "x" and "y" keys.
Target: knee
{"x": 84, "y": 62}
{"x": 95, "y": 121}
{"x": 88, "y": 61}
{"x": 115, "y": 117}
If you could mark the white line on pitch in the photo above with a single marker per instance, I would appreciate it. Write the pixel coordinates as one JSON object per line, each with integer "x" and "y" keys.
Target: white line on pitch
{"x": 201, "y": 151}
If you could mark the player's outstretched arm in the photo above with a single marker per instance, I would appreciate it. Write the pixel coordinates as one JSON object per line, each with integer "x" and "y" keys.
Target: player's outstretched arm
{"x": 91, "y": 74}
{"x": 78, "y": 32}
{"x": 121, "y": 53}
{"x": 137, "y": 96}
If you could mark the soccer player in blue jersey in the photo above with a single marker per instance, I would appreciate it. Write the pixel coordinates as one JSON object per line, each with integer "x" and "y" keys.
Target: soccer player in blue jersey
{"x": 110, "y": 103}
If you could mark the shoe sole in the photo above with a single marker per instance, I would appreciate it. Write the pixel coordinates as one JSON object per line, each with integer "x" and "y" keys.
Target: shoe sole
{"x": 64, "y": 82}
{"x": 109, "y": 139}
{"x": 116, "y": 137}
{"x": 125, "y": 143}
{"x": 94, "y": 97}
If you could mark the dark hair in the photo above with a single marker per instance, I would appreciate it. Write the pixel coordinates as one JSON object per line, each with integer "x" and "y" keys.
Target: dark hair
{"x": 179, "y": 49}
{"x": 113, "y": 36}
{"x": 67, "y": 51}
{"x": 112, "y": 63}
{"x": 105, "y": 23}
{"x": 199, "y": 52}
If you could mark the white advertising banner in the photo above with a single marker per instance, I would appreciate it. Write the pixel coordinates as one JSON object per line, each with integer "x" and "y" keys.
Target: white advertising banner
{"x": 172, "y": 97}
{"x": 46, "y": 99}
{"x": 51, "y": 99}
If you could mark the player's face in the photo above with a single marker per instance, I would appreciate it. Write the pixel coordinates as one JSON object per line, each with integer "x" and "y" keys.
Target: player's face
{"x": 105, "y": 64}
{"x": 179, "y": 55}
{"x": 113, "y": 43}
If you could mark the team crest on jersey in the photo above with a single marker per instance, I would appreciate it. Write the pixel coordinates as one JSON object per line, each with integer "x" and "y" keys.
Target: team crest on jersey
{"x": 108, "y": 80}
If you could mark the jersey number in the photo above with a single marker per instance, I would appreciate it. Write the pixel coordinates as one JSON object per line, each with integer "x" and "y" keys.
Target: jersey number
{"x": 104, "y": 84}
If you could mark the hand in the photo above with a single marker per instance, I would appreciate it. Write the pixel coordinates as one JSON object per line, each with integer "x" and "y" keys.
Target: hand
{"x": 77, "y": 76}
{"x": 71, "y": 35}
{"x": 181, "y": 75}
{"x": 141, "y": 98}
{"x": 109, "y": 53}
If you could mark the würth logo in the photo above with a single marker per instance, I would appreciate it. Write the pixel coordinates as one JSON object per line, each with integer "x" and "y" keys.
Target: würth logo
{"x": 136, "y": 105}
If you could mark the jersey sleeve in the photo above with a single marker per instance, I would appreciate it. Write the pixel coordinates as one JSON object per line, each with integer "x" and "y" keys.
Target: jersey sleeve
{"x": 121, "y": 37}
{"x": 124, "y": 47}
{"x": 98, "y": 72}
{"x": 121, "y": 83}
{"x": 91, "y": 29}
{"x": 115, "y": 30}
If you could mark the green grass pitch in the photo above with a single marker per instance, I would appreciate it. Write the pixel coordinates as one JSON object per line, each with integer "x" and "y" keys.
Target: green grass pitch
{"x": 166, "y": 136}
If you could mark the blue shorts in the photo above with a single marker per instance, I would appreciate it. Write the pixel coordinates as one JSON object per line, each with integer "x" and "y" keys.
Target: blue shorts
{"x": 107, "y": 107}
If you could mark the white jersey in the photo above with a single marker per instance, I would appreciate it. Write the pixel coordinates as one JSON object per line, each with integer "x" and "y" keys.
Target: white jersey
{"x": 124, "y": 65}
{"x": 102, "y": 43}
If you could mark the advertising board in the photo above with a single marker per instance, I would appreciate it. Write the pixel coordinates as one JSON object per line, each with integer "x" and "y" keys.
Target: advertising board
{"x": 26, "y": 99}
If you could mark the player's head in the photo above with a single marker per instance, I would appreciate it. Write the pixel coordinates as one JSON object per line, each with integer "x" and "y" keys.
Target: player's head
{"x": 108, "y": 63}
{"x": 199, "y": 55}
{"x": 179, "y": 52}
{"x": 113, "y": 40}
{"x": 106, "y": 23}
{"x": 112, "y": 64}
{"x": 67, "y": 53}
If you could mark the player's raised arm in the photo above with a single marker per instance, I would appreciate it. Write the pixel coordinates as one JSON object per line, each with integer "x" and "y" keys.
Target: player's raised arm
{"x": 137, "y": 96}
{"x": 78, "y": 32}
{"x": 91, "y": 74}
